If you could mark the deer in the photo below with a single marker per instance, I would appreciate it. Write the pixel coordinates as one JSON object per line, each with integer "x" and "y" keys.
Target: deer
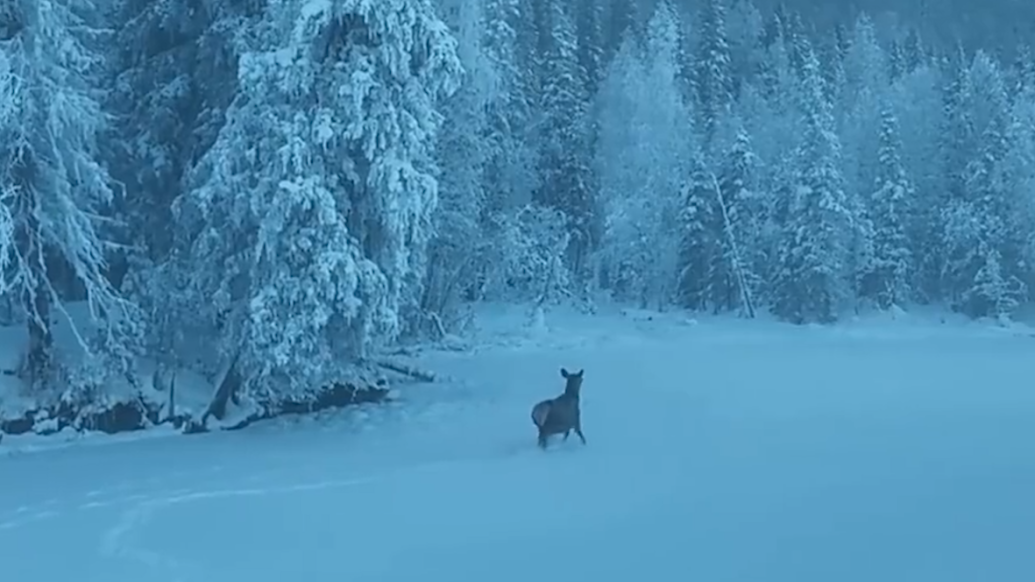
{"x": 561, "y": 414}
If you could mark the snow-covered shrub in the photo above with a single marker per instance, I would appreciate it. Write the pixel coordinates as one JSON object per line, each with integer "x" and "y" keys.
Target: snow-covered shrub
{"x": 528, "y": 262}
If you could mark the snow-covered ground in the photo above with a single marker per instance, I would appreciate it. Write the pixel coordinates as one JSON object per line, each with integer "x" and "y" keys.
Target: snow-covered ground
{"x": 876, "y": 451}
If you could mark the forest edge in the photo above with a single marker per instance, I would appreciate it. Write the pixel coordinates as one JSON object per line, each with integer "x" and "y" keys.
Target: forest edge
{"x": 370, "y": 385}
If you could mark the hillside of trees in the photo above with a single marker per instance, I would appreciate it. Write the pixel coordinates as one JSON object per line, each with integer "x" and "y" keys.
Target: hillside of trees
{"x": 278, "y": 192}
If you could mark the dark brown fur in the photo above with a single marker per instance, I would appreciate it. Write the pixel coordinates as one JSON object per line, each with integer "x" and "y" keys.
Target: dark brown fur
{"x": 561, "y": 414}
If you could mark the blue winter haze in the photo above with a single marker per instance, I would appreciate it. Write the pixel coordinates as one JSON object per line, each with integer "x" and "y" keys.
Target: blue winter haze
{"x": 282, "y": 280}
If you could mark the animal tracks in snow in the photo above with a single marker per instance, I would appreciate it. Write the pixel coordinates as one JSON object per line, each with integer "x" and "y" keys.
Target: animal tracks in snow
{"x": 28, "y": 514}
{"x": 121, "y": 540}
{"x": 126, "y": 492}
{"x": 126, "y": 514}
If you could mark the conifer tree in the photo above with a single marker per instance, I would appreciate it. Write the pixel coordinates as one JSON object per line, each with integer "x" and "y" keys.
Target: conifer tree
{"x": 642, "y": 161}
{"x": 814, "y": 253}
{"x": 888, "y": 275}
{"x": 456, "y": 260}
{"x": 984, "y": 271}
{"x": 699, "y": 245}
{"x": 306, "y": 228}
{"x": 714, "y": 78}
{"x": 54, "y": 188}
{"x": 566, "y": 178}
{"x": 734, "y": 273}
{"x": 745, "y": 29}
{"x": 973, "y": 219}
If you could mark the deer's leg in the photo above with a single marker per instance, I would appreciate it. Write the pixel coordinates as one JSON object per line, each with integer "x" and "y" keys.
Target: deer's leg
{"x": 578, "y": 431}
{"x": 542, "y": 439}
{"x": 567, "y": 434}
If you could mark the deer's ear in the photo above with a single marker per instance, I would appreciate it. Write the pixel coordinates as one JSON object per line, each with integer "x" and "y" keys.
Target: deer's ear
{"x": 580, "y": 372}
{"x": 564, "y": 373}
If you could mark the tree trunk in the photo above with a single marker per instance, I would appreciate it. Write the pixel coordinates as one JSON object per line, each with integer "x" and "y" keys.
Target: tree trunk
{"x": 226, "y": 391}
{"x": 747, "y": 302}
{"x": 38, "y": 368}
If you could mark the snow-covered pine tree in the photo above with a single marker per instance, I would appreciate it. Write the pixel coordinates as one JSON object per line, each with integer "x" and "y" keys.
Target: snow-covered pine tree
{"x": 531, "y": 41}
{"x": 774, "y": 102}
{"x": 775, "y": 66}
{"x": 173, "y": 70}
{"x": 745, "y": 27}
{"x": 458, "y": 253}
{"x": 1020, "y": 172}
{"x": 888, "y": 275}
{"x": 510, "y": 168}
{"x": 53, "y": 187}
{"x": 958, "y": 132}
{"x": 866, "y": 85}
{"x": 771, "y": 111}
{"x": 866, "y": 61}
{"x": 740, "y": 208}
{"x": 914, "y": 53}
{"x": 833, "y": 58}
{"x": 171, "y": 65}
{"x": 566, "y": 177}
{"x": 526, "y": 263}
{"x": 992, "y": 293}
{"x": 799, "y": 44}
{"x": 1022, "y": 73}
{"x": 523, "y": 239}
{"x": 984, "y": 270}
{"x": 642, "y": 158}
{"x": 896, "y": 61}
{"x": 689, "y": 43}
{"x": 529, "y": 263}
{"x": 703, "y": 280}
{"x": 917, "y": 102}
{"x": 956, "y": 143}
{"x": 620, "y": 271}
{"x": 151, "y": 96}
{"x": 618, "y": 20}
{"x": 814, "y": 252}
{"x": 699, "y": 243}
{"x": 589, "y": 40}
{"x": 307, "y": 228}
{"x": 840, "y": 43}
{"x": 714, "y": 75}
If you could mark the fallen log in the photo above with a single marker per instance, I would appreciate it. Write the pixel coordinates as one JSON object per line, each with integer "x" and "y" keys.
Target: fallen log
{"x": 407, "y": 370}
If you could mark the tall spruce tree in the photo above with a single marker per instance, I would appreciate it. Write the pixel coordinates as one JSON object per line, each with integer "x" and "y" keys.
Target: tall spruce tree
{"x": 888, "y": 276}
{"x": 54, "y": 189}
{"x": 306, "y": 229}
{"x": 566, "y": 177}
{"x": 714, "y": 75}
{"x": 814, "y": 253}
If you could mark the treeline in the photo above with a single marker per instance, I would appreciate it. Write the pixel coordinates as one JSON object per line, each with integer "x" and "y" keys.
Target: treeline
{"x": 724, "y": 161}
{"x": 291, "y": 186}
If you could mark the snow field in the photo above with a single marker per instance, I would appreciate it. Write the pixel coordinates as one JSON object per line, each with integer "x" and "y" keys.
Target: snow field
{"x": 718, "y": 451}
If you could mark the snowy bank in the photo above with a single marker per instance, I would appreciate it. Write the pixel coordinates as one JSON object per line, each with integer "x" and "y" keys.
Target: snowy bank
{"x": 91, "y": 399}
